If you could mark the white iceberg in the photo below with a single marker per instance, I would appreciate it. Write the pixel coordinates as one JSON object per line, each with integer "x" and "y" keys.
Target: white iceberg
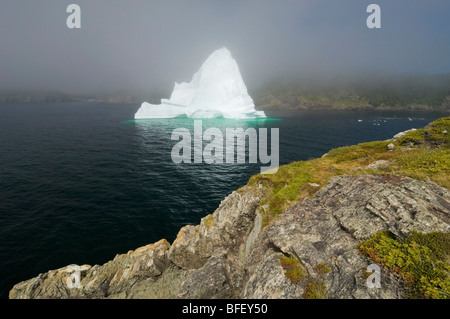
{"x": 216, "y": 90}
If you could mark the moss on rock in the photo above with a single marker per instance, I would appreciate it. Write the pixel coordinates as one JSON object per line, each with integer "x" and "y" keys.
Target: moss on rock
{"x": 421, "y": 259}
{"x": 293, "y": 269}
{"x": 429, "y": 159}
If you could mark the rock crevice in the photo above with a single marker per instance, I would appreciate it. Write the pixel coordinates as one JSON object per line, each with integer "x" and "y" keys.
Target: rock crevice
{"x": 229, "y": 255}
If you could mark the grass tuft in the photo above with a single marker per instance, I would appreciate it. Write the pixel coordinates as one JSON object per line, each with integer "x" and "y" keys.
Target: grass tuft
{"x": 293, "y": 269}
{"x": 209, "y": 221}
{"x": 315, "y": 290}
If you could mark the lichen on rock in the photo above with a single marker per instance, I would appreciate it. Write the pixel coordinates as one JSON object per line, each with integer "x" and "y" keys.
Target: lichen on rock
{"x": 284, "y": 236}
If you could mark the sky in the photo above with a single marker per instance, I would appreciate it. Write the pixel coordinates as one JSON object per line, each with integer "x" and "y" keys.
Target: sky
{"x": 147, "y": 46}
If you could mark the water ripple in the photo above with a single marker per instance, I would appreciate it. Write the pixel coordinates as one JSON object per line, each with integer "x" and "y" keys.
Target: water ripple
{"x": 80, "y": 183}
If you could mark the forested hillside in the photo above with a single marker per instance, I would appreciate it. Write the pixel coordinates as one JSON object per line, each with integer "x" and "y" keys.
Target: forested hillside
{"x": 431, "y": 92}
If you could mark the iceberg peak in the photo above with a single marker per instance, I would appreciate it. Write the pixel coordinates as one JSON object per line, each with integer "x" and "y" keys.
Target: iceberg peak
{"x": 216, "y": 90}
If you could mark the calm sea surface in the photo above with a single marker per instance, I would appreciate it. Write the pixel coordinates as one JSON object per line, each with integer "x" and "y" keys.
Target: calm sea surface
{"x": 82, "y": 182}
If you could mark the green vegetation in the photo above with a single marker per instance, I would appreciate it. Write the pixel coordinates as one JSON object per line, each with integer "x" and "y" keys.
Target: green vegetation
{"x": 322, "y": 269}
{"x": 434, "y": 134}
{"x": 37, "y": 96}
{"x": 421, "y": 259}
{"x": 418, "y": 92}
{"x": 315, "y": 290}
{"x": 342, "y": 92}
{"x": 209, "y": 221}
{"x": 366, "y": 274}
{"x": 422, "y": 154}
{"x": 297, "y": 274}
{"x": 293, "y": 268}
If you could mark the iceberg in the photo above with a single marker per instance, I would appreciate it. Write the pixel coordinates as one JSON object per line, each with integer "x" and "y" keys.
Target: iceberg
{"x": 216, "y": 90}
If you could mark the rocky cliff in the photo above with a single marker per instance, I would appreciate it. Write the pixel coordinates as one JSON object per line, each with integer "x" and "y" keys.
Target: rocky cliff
{"x": 311, "y": 250}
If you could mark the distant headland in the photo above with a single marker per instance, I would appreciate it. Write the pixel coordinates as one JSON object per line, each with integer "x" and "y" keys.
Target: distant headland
{"x": 381, "y": 92}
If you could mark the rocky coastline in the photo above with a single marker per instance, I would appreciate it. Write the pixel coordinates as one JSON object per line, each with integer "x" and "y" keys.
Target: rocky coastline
{"x": 311, "y": 250}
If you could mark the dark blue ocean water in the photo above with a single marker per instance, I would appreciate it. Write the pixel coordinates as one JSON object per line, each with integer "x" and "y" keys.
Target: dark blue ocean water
{"x": 82, "y": 182}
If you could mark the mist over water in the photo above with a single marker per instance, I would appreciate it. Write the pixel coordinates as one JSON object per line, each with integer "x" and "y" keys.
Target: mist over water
{"x": 142, "y": 46}
{"x": 82, "y": 182}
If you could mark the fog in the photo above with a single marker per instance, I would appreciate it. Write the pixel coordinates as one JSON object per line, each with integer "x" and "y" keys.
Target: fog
{"x": 145, "y": 46}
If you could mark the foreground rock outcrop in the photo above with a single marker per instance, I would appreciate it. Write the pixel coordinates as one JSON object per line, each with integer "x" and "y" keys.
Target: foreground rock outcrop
{"x": 325, "y": 231}
{"x": 230, "y": 255}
